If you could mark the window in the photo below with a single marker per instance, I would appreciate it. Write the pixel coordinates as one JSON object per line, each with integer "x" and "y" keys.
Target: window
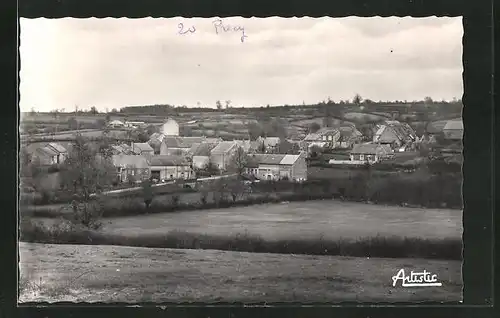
{"x": 324, "y": 137}
{"x": 361, "y": 157}
{"x": 330, "y": 137}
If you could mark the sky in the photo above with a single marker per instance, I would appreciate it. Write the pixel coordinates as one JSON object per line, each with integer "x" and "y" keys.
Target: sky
{"x": 112, "y": 63}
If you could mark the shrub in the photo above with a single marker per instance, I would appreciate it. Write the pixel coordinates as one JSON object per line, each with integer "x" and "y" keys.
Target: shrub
{"x": 393, "y": 247}
{"x": 175, "y": 200}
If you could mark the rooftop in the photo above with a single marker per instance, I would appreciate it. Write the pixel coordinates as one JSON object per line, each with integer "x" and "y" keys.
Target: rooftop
{"x": 454, "y": 125}
{"x": 268, "y": 159}
{"x": 369, "y": 149}
{"x": 223, "y": 147}
{"x": 164, "y": 160}
{"x": 141, "y": 147}
{"x": 135, "y": 161}
{"x": 58, "y": 147}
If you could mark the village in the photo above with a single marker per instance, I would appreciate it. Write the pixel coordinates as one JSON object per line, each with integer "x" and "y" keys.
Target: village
{"x": 168, "y": 155}
{"x": 302, "y": 160}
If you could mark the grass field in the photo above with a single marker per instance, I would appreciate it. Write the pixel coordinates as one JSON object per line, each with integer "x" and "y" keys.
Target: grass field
{"x": 305, "y": 220}
{"x": 85, "y": 273}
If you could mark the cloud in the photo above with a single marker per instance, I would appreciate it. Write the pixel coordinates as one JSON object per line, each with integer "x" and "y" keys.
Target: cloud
{"x": 117, "y": 62}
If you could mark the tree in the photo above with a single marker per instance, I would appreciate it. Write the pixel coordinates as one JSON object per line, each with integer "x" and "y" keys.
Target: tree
{"x": 73, "y": 123}
{"x": 228, "y": 104}
{"x": 239, "y": 161}
{"x": 314, "y": 127}
{"x": 211, "y": 168}
{"x": 147, "y": 193}
{"x": 262, "y": 147}
{"x": 86, "y": 174}
{"x": 93, "y": 110}
{"x": 254, "y": 130}
{"x": 100, "y": 123}
{"x": 357, "y": 99}
{"x": 55, "y": 113}
{"x": 218, "y": 104}
{"x": 288, "y": 148}
{"x": 315, "y": 151}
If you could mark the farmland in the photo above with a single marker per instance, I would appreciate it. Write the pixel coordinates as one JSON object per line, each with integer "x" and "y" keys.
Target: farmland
{"x": 103, "y": 273}
{"x": 308, "y": 220}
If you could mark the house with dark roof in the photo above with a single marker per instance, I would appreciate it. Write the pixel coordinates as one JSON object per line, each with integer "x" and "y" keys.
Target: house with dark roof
{"x": 349, "y": 136}
{"x": 131, "y": 167}
{"x": 454, "y": 130}
{"x": 184, "y": 144}
{"x": 121, "y": 149}
{"x": 327, "y": 137}
{"x": 394, "y": 133}
{"x": 370, "y": 152}
{"x": 165, "y": 167}
{"x": 142, "y": 148}
{"x": 277, "y": 166}
{"x": 222, "y": 154}
{"x": 269, "y": 143}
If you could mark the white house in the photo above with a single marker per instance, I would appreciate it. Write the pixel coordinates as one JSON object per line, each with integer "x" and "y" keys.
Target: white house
{"x": 221, "y": 155}
{"x": 454, "y": 130}
{"x": 45, "y": 156}
{"x": 201, "y": 155}
{"x": 171, "y": 168}
{"x": 62, "y": 153}
{"x": 170, "y": 128}
{"x": 370, "y": 153}
{"x": 116, "y": 124}
{"x": 277, "y": 166}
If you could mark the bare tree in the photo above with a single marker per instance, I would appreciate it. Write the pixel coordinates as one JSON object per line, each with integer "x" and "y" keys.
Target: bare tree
{"x": 239, "y": 161}
{"x": 357, "y": 99}
{"x": 86, "y": 174}
{"x": 218, "y": 104}
{"x": 228, "y": 104}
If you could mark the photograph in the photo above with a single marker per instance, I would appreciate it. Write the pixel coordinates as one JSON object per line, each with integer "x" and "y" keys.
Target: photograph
{"x": 240, "y": 160}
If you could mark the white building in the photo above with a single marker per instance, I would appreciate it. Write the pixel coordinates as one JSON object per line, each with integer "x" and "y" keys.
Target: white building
{"x": 170, "y": 128}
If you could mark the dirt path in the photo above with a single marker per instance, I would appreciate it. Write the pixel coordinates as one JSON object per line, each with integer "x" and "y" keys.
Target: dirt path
{"x": 126, "y": 274}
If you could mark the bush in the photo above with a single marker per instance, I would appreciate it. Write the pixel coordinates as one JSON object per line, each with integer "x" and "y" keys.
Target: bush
{"x": 393, "y": 247}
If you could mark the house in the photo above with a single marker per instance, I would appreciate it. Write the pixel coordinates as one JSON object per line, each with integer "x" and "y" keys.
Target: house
{"x": 62, "y": 153}
{"x": 171, "y": 168}
{"x": 370, "y": 152}
{"x": 123, "y": 149}
{"x": 142, "y": 148}
{"x": 131, "y": 167}
{"x": 184, "y": 144}
{"x": 201, "y": 155}
{"x": 135, "y": 124}
{"x": 155, "y": 141}
{"x": 327, "y": 136}
{"x": 116, "y": 124}
{"x": 170, "y": 128}
{"x": 349, "y": 136}
{"x": 394, "y": 133}
{"x": 45, "y": 156}
{"x": 222, "y": 154}
{"x": 454, "y": 130}
{"x": 277, "y": 166}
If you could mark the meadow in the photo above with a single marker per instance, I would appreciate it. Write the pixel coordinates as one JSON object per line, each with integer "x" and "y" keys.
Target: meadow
{"x": 85, "y": 273}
